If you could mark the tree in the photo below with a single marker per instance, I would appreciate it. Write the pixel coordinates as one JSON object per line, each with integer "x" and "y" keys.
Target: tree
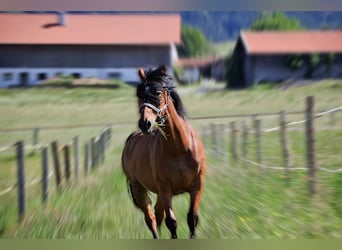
{"x": 276, "y": 21}
{"x": 194, "y": 43}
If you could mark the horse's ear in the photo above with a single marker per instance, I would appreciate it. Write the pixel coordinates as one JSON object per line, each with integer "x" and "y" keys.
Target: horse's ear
{"x": 141, "y": 73}
{"x": 163, "y": 69}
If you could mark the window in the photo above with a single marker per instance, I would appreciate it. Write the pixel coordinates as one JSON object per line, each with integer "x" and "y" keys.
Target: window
{"x": 114, "y": 75}
{"x": 41, "y": 76}
{"x": 24, "y": 78}
{"x": 76, "y": 75}
{"x": 7, "y": 76}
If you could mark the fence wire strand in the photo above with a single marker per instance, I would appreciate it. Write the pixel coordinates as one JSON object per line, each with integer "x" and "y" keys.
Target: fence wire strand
{"x": 291, "y": 168}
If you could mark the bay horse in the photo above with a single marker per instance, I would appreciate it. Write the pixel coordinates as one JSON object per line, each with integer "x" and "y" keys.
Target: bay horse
{"x": 165, "y": 156}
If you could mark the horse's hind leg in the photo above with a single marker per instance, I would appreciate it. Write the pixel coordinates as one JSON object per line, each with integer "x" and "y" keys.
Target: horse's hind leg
{"x": 142, "y": 201}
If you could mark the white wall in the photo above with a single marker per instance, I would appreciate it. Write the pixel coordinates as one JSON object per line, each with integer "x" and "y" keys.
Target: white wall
{"x": 191, "y": 74}
{"x": 174, "y": 54}
{"x": 11, "y": 76}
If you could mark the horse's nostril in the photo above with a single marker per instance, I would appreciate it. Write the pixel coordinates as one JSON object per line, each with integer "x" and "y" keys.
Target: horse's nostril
{"x": 145, "y": 125}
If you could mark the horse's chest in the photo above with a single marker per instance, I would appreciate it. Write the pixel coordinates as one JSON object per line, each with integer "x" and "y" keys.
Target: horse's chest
{"x": 178, "y": 173}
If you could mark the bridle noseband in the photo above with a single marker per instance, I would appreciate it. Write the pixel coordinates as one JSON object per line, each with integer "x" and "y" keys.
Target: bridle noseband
{"x": 157, "y": 110}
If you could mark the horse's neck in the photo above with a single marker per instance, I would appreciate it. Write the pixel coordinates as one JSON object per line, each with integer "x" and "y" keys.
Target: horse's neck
{"x": 177, "y": 131}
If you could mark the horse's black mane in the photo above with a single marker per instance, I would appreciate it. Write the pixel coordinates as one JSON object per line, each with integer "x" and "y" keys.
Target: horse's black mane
{"x": 178, "y": 103}
{"x": 156, "y": 80}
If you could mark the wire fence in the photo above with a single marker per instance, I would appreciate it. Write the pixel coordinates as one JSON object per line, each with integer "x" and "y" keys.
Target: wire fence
{"x": 35, "y": 160}
{"x": 285, "y": 146}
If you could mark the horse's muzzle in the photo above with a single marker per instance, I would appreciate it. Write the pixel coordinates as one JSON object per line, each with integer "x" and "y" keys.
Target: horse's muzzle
{"x": 145, "y": 126}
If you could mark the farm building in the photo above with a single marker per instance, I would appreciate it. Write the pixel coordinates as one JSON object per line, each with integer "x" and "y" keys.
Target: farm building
{"x": 195, "y": 68}
{"x": 35, "y": 47}
{"x": 285, "y": 56}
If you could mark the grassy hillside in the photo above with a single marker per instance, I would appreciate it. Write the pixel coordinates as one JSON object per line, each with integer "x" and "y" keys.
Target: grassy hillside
{"x": 238, "y": 202}
{"x": 221, "y": 48}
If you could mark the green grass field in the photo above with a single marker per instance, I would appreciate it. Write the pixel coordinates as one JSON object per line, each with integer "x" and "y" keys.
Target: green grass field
{"x": 239, "y": 202}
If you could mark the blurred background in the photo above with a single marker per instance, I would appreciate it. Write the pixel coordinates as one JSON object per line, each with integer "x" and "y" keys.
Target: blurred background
{"x": 263, "y": 89}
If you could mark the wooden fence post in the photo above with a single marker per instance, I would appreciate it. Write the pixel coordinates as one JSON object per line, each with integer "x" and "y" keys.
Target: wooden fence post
{"x": 76, "y": 155}
{"x": 213, "y": 138}
{"x": 105, "y": 132}
{"x": 108, "y": 134}
{"x": 223, "y": 144}
{"x": 204, "y": 135}
{"x": 45, "y": 174}
{"x": 92, "y": 152}
{"x": 99, "y": 150}
{"x": 310, "y": 144}
{"x": 96, "y": 144}
{"x": 254, "y": 118}
{"x": 35, "y": 139}
{"x": 284, "y": 146}
{"x": 86, "y": 158}
{"x": 57, "y": 168}
{"x": 233, "y": 140}
{"x": 257, "y": 130}
{"x": 66, "y": 151}
{"x": 244, "y": 142}
{"x": 21, "y": 179}
{"x": 103, "y": 147}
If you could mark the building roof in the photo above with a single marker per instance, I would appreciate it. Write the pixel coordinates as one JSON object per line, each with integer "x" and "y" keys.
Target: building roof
{"x": 90, "y": 29}
{"x": 198, "y": 62}
{"x": 296, "y": 42}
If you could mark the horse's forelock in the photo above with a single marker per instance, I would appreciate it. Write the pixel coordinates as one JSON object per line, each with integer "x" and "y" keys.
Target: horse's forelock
{"x": 157, "y": 79}
{"x": 159, "y": 76}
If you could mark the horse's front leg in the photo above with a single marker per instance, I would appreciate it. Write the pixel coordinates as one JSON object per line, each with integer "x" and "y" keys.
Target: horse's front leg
{"x": 195, "y": 197}
{"x": 142, "y": 201}
{"x": 159, "y": 212}
{"x": 165, "y": 196}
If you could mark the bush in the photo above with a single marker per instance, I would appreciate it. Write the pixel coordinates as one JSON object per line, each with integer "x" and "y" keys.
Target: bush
{"x": 60, "y": 80}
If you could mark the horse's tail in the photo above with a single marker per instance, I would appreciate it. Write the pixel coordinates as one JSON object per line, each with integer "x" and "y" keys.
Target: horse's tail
{"x": 132, "y": 195}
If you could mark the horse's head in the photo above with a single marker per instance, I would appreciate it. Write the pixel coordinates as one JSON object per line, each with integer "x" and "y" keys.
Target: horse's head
{"x": 153, "y": 93}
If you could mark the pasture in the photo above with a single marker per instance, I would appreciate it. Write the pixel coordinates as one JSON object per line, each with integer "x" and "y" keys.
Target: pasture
{"x": 238, "y": 202}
